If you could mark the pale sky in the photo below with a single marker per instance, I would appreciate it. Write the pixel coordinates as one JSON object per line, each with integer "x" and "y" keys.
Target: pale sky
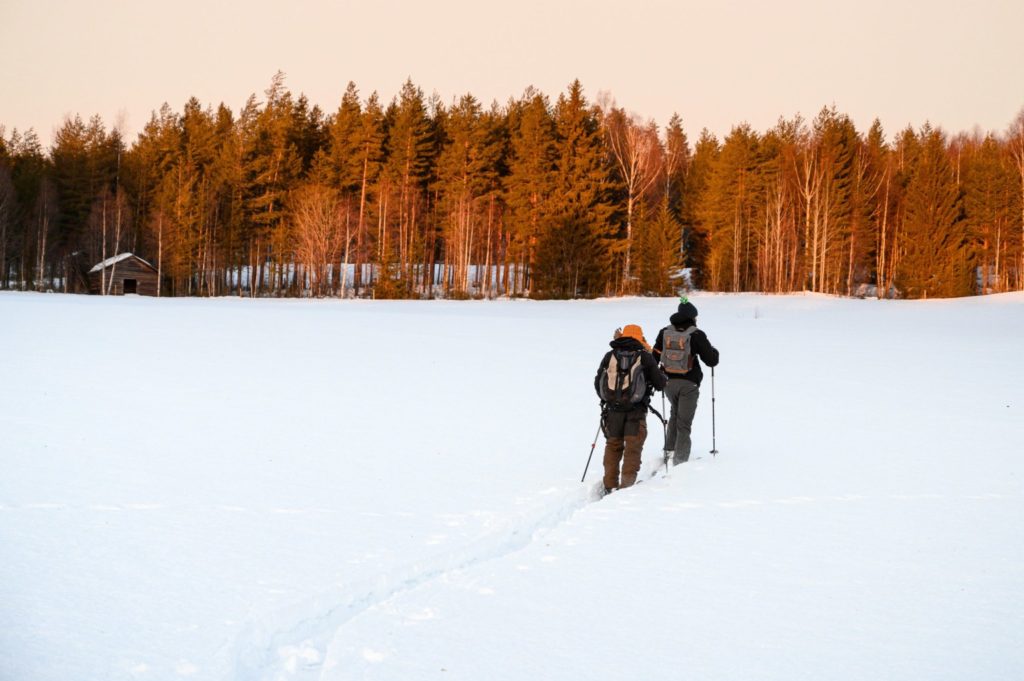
{"x": 958, "y": 64}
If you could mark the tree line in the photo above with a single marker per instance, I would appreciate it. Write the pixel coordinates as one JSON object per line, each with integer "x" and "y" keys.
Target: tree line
{"x": 563, "y": 199}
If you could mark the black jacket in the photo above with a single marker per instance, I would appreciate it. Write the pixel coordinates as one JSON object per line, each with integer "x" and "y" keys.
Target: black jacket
{"x": 652, "y": 372}
{"x": 699, "y": 343}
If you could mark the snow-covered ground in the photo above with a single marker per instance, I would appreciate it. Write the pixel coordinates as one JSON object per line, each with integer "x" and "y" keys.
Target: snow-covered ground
{"x": 263, "y": 489}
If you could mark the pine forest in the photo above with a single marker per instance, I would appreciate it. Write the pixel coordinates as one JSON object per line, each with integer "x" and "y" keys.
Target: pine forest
{"x": 416, "y": 198}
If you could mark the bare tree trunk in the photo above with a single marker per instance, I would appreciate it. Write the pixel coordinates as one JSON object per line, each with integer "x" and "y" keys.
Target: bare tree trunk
{"x": 345, "y": 258}
{"x": 849, "y": 271}
{"x": 43, "y": 231}
{"x": 103, "y": 250}
{"x": 117, "y": 239}
{"x": 486, "y": 287}
{"x": 809, "y": 187}
{"x": 159, "y": 253}
{"x": 361, "y": 226}
{"x": 998, "y": 239}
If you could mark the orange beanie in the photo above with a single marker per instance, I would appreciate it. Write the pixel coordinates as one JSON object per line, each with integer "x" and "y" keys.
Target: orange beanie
{"x": 635, "y": 332}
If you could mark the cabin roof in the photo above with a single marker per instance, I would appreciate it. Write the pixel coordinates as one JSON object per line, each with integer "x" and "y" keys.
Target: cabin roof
{"x": 114, "y": 259}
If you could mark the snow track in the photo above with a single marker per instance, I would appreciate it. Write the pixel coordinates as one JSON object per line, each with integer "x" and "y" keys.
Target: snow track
{"x": 293, "y": 644}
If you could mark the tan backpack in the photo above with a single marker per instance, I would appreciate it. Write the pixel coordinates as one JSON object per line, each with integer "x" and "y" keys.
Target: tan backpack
{"x": 676, "y": 351}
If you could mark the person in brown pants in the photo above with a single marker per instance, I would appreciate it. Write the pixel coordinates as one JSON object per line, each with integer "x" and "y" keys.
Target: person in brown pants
{"x": 625, "y": 379}
{"x": 625, "y": 433}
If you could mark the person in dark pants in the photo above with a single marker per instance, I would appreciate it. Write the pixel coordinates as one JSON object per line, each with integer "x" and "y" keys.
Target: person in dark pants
{"x": 677, "y": 348}
{"x": 625, "y": 425}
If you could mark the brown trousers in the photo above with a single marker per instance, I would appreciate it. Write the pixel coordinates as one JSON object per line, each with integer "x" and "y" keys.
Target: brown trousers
{"x": 624, "y": 434}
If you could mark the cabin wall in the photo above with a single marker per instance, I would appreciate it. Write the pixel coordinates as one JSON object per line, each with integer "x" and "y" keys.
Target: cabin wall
{"x": 144, "y": 277}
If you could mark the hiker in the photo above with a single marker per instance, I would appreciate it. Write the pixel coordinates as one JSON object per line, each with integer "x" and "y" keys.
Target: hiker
{"x": 627, "y": 376}
{"x": 677, "y": 348}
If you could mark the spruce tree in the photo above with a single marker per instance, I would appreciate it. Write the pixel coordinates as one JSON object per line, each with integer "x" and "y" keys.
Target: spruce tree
{"x": 530, "y": 182}
{"x": 678, "y": 158}
{"x": 1015, "y": 148}
{"x": 467, "y": 171}
{"x": 876, "y": 193}
{"x": 935, "y": 255}
{"x": 409, "y": 151}
{"x": 777, "y": 232}
{"x": 371, "y": 136}
{"x": 31, "y": 187}
{"x": 659, "y": 252}
{"x": 835, "y": 144}
{"x": 729, "y": 212}
{"x": 152, "y": 177}
{"x": 75, "y": 182}
{"x": 8, "y": 200}
{"x": 575, "y": 250}
{"x": 692, "y": 213}
{"x": 988, "y": 185}
{"x": 271, "y": 163}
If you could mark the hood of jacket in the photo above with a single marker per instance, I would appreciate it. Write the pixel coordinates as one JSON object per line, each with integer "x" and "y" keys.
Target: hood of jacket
{"x": 626, "y": 343}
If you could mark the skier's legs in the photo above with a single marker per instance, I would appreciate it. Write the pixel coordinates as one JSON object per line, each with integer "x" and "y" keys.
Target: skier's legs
{"x": 684, "y": 406}
{"x": 614, "y": 433}
{"x": 672, "y": 395}
{"x": 613, "y": 450}
{"x": 636, "y": 434}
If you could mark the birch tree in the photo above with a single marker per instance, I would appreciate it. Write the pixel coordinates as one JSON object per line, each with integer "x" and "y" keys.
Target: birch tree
{"x": 635, "y": 149}
{"x": 317, "y": 214}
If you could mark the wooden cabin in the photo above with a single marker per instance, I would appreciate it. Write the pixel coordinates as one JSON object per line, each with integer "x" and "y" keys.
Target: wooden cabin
{"x": 125, "y": 273}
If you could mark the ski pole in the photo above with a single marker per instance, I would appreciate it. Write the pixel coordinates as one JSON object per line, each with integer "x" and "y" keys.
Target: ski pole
{"x": 594, "y": 444}
{"x": 714, "y": 448}
{"x": 664, "y": 427}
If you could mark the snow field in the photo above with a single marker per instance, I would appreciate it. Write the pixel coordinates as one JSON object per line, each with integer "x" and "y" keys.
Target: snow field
{"x": 389, "y": 490}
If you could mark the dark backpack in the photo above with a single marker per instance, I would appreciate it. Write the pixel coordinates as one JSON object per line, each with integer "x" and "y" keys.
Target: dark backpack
{"x": 623, "y": 385}
{"x": 676, "y": 351}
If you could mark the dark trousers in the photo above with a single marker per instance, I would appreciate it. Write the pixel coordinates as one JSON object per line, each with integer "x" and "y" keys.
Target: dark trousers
{"x": 682, "y": 395}
{"x": 624, "y": 432}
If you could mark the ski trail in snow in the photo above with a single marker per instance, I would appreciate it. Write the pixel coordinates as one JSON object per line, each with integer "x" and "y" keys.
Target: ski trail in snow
{"x": 272, "y": 649}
